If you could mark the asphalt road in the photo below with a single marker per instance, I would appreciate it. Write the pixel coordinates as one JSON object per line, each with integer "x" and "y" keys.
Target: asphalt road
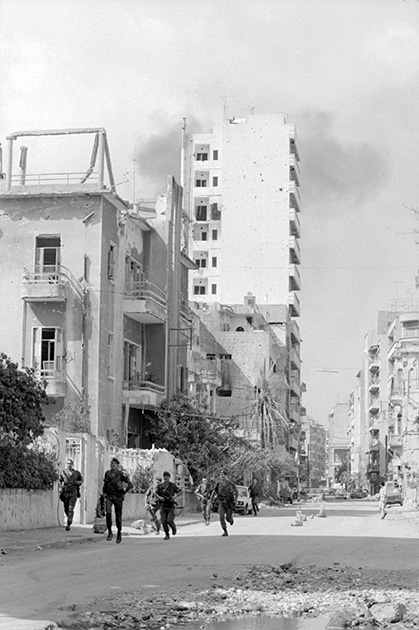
{"x": 47, "y": 585}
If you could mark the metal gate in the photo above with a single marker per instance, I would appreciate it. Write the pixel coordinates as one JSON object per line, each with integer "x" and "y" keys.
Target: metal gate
{"x": 75, "y": 449}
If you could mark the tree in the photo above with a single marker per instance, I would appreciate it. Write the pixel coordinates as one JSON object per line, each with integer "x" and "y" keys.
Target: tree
{"x": 21, "y": 399}
{"x": 203, "y": 441}
{"x": 21, "y": 422}
{"x": 74, "y": 418}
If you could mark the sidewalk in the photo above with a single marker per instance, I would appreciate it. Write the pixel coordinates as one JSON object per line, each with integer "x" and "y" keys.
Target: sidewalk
{"x": 59, "y": 538}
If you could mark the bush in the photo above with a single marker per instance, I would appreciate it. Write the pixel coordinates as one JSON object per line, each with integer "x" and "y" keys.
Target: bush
{"x": 25, "y": 468}
{"x": 142, "y": 479}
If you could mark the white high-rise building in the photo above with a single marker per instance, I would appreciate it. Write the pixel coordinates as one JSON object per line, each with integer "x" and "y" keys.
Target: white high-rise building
{"x": 242, "y": 192}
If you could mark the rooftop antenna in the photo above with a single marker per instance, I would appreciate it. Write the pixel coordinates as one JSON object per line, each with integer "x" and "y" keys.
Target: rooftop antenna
{"x": 225, "y": 108}
{"x": 133, "y": 178}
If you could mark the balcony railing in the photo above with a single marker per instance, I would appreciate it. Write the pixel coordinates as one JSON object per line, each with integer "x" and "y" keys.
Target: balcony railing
{"x": 395, "y": 441}
{"x": 295, "y": 226}
{"x": 144, "y": 290}
{"x": 49, "y": 283}
{"x": 145, "y": 302}
{"x": 294, "y": 304}
{"x": 295, "y": 278}
{"x": 143, "y": 392}
{"x": 55, "y": 379}
{"x": 295, "y": 251}
{"x": 46, "y": 179}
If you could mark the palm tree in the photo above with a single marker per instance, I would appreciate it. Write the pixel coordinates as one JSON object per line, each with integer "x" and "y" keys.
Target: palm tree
{"x": 267, "y": 417}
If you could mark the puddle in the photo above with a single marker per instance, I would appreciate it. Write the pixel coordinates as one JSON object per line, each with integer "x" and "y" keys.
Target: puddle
{"x": 264, "y": 622}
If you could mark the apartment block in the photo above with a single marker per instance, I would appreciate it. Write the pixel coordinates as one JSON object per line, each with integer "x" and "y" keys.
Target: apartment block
{"x": 87, "y": 300}
{"x": 243, "y": 199}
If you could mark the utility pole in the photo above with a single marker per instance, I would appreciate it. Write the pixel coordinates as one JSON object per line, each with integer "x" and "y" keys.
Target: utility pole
{"x": 174, "y": 209}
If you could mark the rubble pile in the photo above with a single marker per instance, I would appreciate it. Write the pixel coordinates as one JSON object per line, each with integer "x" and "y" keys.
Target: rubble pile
{"x": 351, "y": 597}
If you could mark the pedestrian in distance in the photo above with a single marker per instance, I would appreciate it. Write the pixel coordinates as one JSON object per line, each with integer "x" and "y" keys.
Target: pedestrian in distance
{"x": 166, "y": 493}
{"x": 115, "y": 486}
{"x": 225, "y": 494}
{"x": 152, "y": 504}
{"x": 254, "y": 492}
{"x": 203, "y": 492}
{"x": 70, "y": 481}
{"x": 382, "y": 500}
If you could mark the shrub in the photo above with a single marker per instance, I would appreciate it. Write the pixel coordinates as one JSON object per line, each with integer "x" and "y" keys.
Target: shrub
{"x": 25, "y": 468}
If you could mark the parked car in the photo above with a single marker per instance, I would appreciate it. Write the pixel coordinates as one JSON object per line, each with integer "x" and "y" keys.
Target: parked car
{"x": 244, "y": 501}
{"x": 359, "y": 493}
{"x": 341, "y": 494}
{"x": 393, "y": 494}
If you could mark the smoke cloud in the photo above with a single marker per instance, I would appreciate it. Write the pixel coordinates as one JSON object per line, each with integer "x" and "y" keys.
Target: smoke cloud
{"x": 158, "y": 156}
{"x": 334, "y": 170}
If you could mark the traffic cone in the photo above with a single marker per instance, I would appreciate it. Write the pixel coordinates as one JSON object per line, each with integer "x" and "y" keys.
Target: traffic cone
{"x": 322, "y": 511}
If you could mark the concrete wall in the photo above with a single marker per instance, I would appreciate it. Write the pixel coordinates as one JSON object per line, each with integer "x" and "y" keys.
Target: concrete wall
{"x": 28, "y": 509}
{"x": 34, "y": 509}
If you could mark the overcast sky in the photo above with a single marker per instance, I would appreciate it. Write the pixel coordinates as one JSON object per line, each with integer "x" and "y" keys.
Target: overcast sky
{"x": 345, "y": 71}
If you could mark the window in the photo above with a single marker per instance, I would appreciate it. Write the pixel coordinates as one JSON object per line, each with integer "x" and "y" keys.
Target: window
{"x": 215, "y": 181}
{"x": 47, "y": 350}
{"x": 204, "y": 236}
{"x": 215, "y": 235}
{"x": 201, "y": 262}
{"x": 111, "y": 261}
{"x": 201, "y": 213}
{"x": 201, "y": 183}
{"x": 199, "y": 289}
{"x": 86, "y": 268}
{"x": 213, "y": 289}
{"x": 202, "y": 157}
{"x": 110, "y": 351}
{"x": 47, "y": 254}
{"x": 215, "y": 154}
{"x": 214, "y": 261}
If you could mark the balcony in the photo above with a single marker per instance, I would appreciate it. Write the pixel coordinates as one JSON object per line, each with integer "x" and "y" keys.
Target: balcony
{"x": 294, "y": 304}
{"x": 186, "y": 313}
{"x": 209, "y": 371}
{"x": 395, "y": 394}
{"x": 55, "y": 379}
{"x": 295, "y": 251}
{"x": 48, "y": 283}
{"x": 294, "y": 278}
{"x": 294, "y": 175}
{"x": 374, "y": 364}
{"x": 143, "y": 393}
{"x": 373, "y": 467}
{"x": 374, "y": 385}
{"x": 295, "y": 197}
{"x": 145, "y": 302}
{"x": 395, "y": 441}
{"x": 295, "y": 360}
{"x": 294, "y": 163}
{"x": 374, "y": 405}
{"x": 295, "y": 226}
{"x": 293, "y": 148}
{"x": 294, "y": 413}
{"x": 295, "y": 386}
{"x": 294, "y": 331}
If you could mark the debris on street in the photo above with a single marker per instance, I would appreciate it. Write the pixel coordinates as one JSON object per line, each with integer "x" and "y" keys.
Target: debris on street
{"x": 352, "y": 597}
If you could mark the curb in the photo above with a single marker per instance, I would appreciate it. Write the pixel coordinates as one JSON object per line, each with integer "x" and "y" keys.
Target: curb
{"x": 62, "y": 544}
